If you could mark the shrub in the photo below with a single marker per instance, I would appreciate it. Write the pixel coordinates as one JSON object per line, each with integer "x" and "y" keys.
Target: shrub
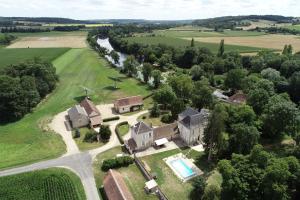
{"x": 123, "y": 161}
{"x": 77, "y": 133}
{"x": 118, "y": 133}
{"x": 155, "y": 111}
{"x": 167, "y": 118}
{"x": 90, "y": 136}
{"x": 105, "y": 132}
{"x": 111, "y": 119}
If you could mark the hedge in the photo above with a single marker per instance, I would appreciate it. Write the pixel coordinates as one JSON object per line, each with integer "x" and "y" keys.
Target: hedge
{"x": 146, "y": 97}
{"x": 111, "y": 119}
{"x": 123, "y": 161}
{"x": 117, "y": 131}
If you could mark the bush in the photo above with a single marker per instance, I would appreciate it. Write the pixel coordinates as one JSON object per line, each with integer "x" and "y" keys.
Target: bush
{"x": 155, "y": 111}
{"x": 111, "y": 119}
{"x": 123, "y": 161}
{"x": 118, "y": 133}
{"x": 105, "y": 132}
{"x": 90, "y": 136}
{"x": 77, "y": 133}
{"x": 167, "y": 118}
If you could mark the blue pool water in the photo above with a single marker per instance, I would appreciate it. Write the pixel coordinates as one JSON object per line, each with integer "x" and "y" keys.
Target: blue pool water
{"x": 181, "y": 167}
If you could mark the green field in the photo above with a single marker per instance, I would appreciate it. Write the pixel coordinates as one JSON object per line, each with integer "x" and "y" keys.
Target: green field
{"x": 198, "y": 33}
{"x": 123, "y": 129}
{"x": 14, "y": 56}
{"x": 177, "y": 42}
{"x": 47, "y": 184}
{"x": 295, "y": 27}
{"x": 75, "y": 68}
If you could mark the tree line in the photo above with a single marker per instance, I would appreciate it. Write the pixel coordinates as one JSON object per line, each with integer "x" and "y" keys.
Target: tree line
{"x": 23, "y": 30}
{"x": 23, "y": 86}
{"x": 6, "y": 39}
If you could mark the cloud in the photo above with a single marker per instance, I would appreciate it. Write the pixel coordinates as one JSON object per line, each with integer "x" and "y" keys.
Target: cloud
{"x": 146, "y": 9}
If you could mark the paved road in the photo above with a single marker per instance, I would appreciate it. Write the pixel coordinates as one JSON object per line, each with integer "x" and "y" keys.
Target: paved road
{"x": 79, "y": 162}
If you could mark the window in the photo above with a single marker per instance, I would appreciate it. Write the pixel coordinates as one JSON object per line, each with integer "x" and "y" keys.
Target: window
{"x": 150, "y": 134}
{"x": 143, "y": 143}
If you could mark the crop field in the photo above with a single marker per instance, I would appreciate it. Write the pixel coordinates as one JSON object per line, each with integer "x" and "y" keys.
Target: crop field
{"x": 201, "y": 33}
{"x": 50, "y": 42}
{"x": 177, "y": 42}
{"x": 14, "y": 56}
{"x": 274, "y": 41}
{"x": 50, "y": 184}
{"x": 51, "y": 34}
{"x": 31, "y": 135}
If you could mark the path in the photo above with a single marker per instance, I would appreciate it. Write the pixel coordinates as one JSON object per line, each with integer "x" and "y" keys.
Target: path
{"x": 79, "y": 162}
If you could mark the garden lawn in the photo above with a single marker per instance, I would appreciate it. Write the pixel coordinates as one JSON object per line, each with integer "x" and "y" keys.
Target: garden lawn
{"x": 15, "y": 56}
{"x": 169, "y": 183}
{"x": 132, "y": 176}
{"x": 123, "y": 129}
{"x": 28, "y": 140}
{"x": 82, "y": 145}
{"x": 54, "y": 183}
{"x": 178, "y": 42}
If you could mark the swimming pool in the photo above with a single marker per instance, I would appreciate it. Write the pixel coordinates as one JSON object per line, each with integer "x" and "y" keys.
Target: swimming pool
{"x": 182, "y": 168}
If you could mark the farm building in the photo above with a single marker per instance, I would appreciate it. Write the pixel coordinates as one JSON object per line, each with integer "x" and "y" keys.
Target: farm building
{"x": 93, "y": 113}
{"x": 115, "y": 187}
{"x": 84, "y": 114}
{"x": 128, "y": 104}
{"x": 78, "y": 117}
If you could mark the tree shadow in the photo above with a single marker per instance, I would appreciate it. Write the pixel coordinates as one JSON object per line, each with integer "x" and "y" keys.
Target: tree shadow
{"x": 111, "y": 88}
{"x": 79, "y": 98}
{"x": 117, "y": 79}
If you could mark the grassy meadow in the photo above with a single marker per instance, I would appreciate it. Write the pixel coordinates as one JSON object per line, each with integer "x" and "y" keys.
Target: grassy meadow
{"x": 54, "y": 183}
{"x": 178, "y": 42}
{"x": 14, "y": 56}
{"x": 77, "y": 67}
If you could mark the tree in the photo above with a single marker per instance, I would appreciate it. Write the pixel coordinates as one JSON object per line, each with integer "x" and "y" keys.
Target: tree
{"x": 257, "y": 64}
{"x": 146, "y": 71}
{"x": 219, "y": 66}
{"x": 234, "y": 78}
{"x": 258, "y": 99}
{"x": 295, "y": 87}
{"x": 212, "y": 192}
{"x": 155, "y": 111}
{"x": 156, "y": 74}
{"x": 271, "y": 75}
{"x": 177, "y": 106}
{"x": 280, "y": 116}
{"x": 202, "y": 96}
{"x": 287, "y": 50}
{"x": 221, "y": 48}
{"x": 115, "y": 56}
{"x": 164, "y": 96}
{"x": 199, "y": 185}
{"x": 196, "y": 72}
{"x": 164, "y": 60}
{"x": 130, "y": 66}
{"x": 105, "y": 132}
{"x": 213, "y": 134}
{"x": 182, "y": 85}
{"x": 243, "y": 138}
{"x": 193, "y": 43}
{"x": 289, "y": 67}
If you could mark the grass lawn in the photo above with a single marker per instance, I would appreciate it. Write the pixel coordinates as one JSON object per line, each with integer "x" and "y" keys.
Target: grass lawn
{"x": 82, "y": 145}
{"x": 155, "y": 121}
{"x": 14, "y": 56}
{"x": 123, "y": 129}
{"x": 131, "y": 174}
{"x": 54, "y": 183}
{"x": 178, "y": 42}
{"x": 75, "y": 68}
{"x": 168, "y": 181}
{"x": 51, "y": 34}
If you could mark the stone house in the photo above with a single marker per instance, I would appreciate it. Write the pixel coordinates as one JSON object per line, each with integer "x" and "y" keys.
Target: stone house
{"x": 128, "y": 104}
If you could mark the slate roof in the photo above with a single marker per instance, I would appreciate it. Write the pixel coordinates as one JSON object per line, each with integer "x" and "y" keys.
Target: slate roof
{"x": 188, "y": 112}
{"x": 76, "y": 110}
{"x": 141, "y": 127}
{"x": 115, "y": 187}
{"x": 192, "y": 118}
{"x": 129, "y": 101}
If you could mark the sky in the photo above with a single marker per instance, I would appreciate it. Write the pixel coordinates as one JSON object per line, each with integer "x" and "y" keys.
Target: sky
{"x": 146, "y": 9}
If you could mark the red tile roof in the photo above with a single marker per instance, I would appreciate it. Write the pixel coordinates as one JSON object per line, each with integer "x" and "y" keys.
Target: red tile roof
{"x": 238, "y": 98}
{"x": 129, "y": 101}
{"x": 115, "y": 187}
{"x": 90, "y": 108}
{"x": 166, "y": 131}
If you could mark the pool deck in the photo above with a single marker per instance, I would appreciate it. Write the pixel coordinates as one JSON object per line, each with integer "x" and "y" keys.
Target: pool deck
{"x": 188, "y": 162}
